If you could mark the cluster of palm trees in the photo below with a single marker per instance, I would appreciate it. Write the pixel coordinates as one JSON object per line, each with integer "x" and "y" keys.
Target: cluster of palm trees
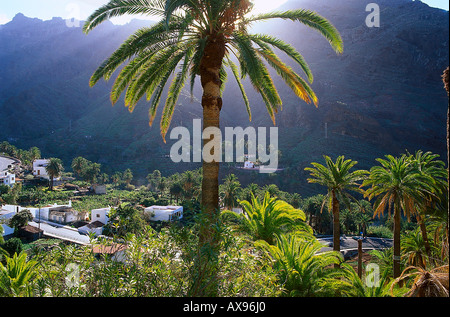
{"x": 412, "y": 185}
{"x": 205, "y": 38}
{"x": 415, "y": 185}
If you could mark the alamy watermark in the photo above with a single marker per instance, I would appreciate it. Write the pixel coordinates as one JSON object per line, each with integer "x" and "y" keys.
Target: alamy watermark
{"x": 372, "y": 275}
{"x": 229, "y": 148}
{"x": 373, "y": 19}
{"x": 73, "y": 275}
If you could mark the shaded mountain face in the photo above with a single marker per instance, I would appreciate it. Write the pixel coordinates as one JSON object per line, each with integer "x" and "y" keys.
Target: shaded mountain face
{"x": 384, "y": 95}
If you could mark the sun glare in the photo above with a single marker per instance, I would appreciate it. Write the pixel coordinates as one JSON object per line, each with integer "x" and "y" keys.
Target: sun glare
{"x": 263, "y": 6}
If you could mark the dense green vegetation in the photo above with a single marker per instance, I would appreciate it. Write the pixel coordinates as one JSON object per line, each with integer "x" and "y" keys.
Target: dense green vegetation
{"x": 270, "y": 249}
{"x": 233, "y": 240}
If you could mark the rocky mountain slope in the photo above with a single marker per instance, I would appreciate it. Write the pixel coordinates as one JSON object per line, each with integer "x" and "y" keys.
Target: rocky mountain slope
{"x": 382, "y": 96}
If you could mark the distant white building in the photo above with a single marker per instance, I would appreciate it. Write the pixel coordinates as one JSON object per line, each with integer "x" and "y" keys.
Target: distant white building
{"x": 39, "y": 168}
{"x": 100, "y": 215}
{"x": 165, "y": 213}
{"x": 99, "y": 218}
{"x": 248, "y": 164}
{"x": 7, "y": 179}
{"x": 62, "y": 214}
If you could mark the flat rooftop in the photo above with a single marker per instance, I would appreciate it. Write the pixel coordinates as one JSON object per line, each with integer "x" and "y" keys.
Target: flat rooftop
{"x": 4, "y": 162}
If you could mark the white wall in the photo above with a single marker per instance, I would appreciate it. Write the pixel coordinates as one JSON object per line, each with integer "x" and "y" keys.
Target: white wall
{"x": 164, "y": 213}
{"x": 86, "y": 230}
{"x": 39, "y": 168}
{"x": 100, "y": 215}
{"x": 9, "y": 179}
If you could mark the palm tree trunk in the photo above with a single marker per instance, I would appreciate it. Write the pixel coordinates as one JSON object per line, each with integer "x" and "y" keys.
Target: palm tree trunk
{"x": 205, "y": 282}
{"x": 423, "y": 230}
{"x": 445, "y": 79}
{"x": 397, "y": 225}
{"x": 210, "y": 66}
{"x": 336, "y": 225}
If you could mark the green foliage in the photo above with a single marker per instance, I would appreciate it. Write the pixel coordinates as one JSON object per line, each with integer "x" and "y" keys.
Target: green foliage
{"x": 267, "y": 218}
{"x": 17, "y": 276}
{"x": 11, "y": 195}
{"x": 123, "y": 221}
{"x": 21, "y": 219}
{"x": 301, "y": 270}
{"x": 180, "y": 38}
{"x": 353, "y": 286}
{"x": 13, "y": 246}
{"x": 88, "y": 171}
{"x": 380, "y": 231}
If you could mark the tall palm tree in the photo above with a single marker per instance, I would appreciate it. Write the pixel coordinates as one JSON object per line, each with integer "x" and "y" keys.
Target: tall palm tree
{"x": 231, "y": 190}
{"x": 54, "y": 170}
{"x": 445, "y": 79}
{"x": 78, "y": 165}
{"x": 266, "y": 219}
{"x": 435, "y": 179}
{"x": 398, "y": 186}
{"x": 338, "y": 179}
{"x": 163, "y": 185}
{"x": 201, "y": 38}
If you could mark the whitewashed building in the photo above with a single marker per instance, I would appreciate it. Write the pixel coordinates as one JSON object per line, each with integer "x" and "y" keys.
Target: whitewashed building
{"x": 99, "y": 218}
{"x": 165, "y": 213}
{"x": 39, "y": 168}
{"x": 248, "y": 164}
{"x": 7, "y": 179}
{"x": 100, "y": 215}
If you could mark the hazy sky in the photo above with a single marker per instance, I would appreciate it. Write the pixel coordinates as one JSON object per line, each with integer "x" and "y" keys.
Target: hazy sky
{"x": 81, "y": 9}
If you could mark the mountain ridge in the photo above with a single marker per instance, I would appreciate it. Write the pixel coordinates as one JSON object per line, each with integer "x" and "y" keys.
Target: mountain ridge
{"x": 371, "y": 99}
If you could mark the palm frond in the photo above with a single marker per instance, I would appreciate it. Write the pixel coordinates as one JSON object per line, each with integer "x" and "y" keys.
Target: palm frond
{"x": 116, "y": 8}
{"x": 310, "y": 19}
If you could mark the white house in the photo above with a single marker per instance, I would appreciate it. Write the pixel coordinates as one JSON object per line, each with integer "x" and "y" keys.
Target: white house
{"x": 100, "y": 215}
{"x": 95, "y": 227}
{"x": 165, "y": 213}
{"x": 7, "y": 179}
{"x": 99, "y": 218}
{"x": 248, "y": 164}
{"x": 39, "y": 168}
{"x": 62, "y": 214}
